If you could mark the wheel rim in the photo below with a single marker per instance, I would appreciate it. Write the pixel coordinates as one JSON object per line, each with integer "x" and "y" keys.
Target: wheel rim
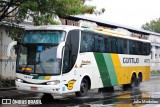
{"x": 84, "y": 87}
{"x": 133, "y": 82}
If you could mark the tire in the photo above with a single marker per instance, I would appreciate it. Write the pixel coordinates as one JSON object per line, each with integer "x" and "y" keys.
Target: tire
{"x": 139, "y": 80}
{"x": 133, "y": 81}
{"x": 84, "y": 87}
{"x": 47, "y": 98}
{"x": 132, "y": 85}
{"x": 106, "y": 89}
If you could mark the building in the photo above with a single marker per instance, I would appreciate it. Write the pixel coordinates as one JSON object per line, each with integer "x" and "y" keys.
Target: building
{"x": 8, "y": 65}
{"x": 153, "y": 37}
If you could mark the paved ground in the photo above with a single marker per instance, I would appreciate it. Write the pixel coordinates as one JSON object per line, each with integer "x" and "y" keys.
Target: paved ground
{"x": 118, "y": 98}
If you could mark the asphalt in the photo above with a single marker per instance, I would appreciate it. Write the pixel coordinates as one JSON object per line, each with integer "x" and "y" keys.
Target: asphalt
{"x": 15, "y": 94}
{"x": 12, "y": 92}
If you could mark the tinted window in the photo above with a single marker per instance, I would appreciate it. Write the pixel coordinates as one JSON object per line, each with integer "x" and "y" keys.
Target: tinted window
{"x": 87, "y": 42}
{"x": 71, "y": 50}
{"x": 92, "y": 42}
{"x": 44, "y": 37}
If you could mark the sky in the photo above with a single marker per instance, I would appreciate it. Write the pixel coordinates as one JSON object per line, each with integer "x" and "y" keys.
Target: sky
{"x": 133, "y": 13}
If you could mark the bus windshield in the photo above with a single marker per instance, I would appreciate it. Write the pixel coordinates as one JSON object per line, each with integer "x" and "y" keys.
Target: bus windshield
{"x": 44, "y": 37}
{"x": 38, "y": 53}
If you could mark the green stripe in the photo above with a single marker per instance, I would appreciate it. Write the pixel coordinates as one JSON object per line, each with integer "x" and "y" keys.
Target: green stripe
{"x": 102, "y": 69}
{"x": 41, "y": 77}
{"x": 111, "y": 70}
{"x": 35, "y": 77}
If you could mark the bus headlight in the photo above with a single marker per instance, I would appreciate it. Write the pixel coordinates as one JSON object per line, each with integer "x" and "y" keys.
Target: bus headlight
{"x": 19, "y": 80}
{"x": 55, "y": 82}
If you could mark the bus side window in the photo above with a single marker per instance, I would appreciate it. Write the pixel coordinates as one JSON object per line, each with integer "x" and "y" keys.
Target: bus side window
{"x": 106, "y": 44}
{"x": 92, "y": 42}
{"x": 140, "y": 48}
{"x": 89, "y": 42}
{"x": 136, "y": 48}
{"x": 146, "y": 49}
{"x": 124, "y": 46}
{"x": 131, "y": 47}
{"x": 83, "y": 47}
{"x": 86, "y": 42}
{"x": 119, "y": 41}
{"x": 109, "y": 44}
{"x": 96, "y": 43}
{"x": 114, "y": 45}
{"x": 102, "y": 44}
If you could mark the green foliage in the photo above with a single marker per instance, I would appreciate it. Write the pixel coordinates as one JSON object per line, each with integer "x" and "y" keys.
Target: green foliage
{"x": 5, "y": 83}
{"x": 14, "y": 31}
{"x": 64, "y": 8}
{"x": 155, "y": 72}
{"x": 42, "y": 12}
{"x": 153, "y": 25}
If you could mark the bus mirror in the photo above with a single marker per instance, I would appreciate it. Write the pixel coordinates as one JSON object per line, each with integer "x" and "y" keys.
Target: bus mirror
{"x": 59, "y": 50}
{"x": 10, "y": 46}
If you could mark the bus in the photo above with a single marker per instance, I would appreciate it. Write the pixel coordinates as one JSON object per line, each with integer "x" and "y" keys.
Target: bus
{"x": 63, "y": 59}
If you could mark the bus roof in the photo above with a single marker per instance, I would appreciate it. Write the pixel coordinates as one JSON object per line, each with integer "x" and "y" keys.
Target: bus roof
{"x": 114, "y": 34}
{"x": 96, "y": 30}
{"x": 52, "y": 27}
{"x": 111, "y": 24}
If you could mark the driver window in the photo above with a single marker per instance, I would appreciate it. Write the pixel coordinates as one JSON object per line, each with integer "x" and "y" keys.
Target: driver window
{"x": 71, "y": 50}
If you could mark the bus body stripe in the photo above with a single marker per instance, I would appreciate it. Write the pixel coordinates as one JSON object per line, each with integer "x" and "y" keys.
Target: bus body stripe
{"x": 102, "y": 69}
{"x": 111, "y": 70}
{"x": 120, "y": 71}
{"x": 35, "y": 77}
{"x": 47, "y": 77}
{"x": 41, "y": 77}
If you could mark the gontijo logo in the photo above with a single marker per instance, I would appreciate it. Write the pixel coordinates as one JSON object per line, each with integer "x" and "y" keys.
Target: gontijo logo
{"x": 130, "y": 60}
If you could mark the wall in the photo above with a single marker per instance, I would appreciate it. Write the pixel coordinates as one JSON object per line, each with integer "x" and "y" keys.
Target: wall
{"x": 7, "y": 66}
{"x": 155, "y": 51}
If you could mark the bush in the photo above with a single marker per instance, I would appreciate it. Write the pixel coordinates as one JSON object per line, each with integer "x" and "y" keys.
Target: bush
{"x": 155, "y": 72}
{"x": 5, "y": 83}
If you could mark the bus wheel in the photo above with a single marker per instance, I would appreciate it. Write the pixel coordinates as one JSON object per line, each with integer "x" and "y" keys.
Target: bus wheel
{"x": 132, "y": 84}
{"x": 106, "y": 89}
{"x": 139, "y": 80}
{"x": 83, "y": 88}
{"x": 47, "y": 98}
{"x": 133, "y": 81}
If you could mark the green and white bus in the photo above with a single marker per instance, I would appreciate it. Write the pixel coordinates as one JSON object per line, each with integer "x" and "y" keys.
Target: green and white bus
{"x": 63, "y": 59}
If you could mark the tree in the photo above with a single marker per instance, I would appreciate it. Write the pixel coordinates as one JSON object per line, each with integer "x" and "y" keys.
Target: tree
{"x": 153, "y": 25}
{"x": 41, "y": 12}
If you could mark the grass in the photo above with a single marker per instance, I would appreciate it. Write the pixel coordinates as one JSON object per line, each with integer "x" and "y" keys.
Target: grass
{"x": 155, "y": 72}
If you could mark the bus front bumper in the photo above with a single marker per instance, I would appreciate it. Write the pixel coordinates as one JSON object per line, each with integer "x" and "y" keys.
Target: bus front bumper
{"x": 38, "y": 88}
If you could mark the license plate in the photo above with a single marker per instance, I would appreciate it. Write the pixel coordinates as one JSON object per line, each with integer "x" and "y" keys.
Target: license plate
{"x": 34, "y": 88}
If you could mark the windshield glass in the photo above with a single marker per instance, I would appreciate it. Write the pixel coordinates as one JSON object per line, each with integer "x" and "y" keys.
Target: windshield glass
{"x": 38, "y": 59}
{"x": 38, "y": 52}
{"x": 43, "y": 37}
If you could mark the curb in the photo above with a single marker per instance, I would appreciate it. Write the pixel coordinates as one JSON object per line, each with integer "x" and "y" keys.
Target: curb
{"x": 8, "y": 88}
{"x": 19, "y": 95}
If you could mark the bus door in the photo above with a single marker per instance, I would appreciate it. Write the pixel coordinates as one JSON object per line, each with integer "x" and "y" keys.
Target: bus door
{"x": 69, "y": 77}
